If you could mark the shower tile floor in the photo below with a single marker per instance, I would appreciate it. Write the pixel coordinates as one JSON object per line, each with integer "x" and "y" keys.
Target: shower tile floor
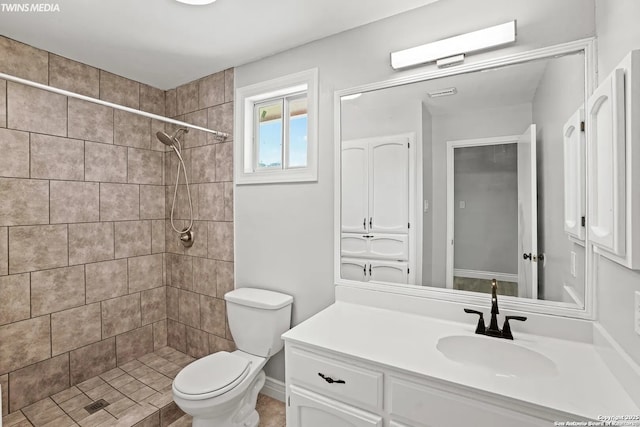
{"x": 138, "y": 393}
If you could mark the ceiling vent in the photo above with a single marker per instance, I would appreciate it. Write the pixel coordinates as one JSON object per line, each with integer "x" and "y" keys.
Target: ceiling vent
{"x": 443, "y": 92}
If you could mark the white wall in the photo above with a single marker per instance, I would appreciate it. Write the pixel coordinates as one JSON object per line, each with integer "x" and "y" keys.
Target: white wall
{"x": 618, "y": 33}
{"x": 284, "y": 232}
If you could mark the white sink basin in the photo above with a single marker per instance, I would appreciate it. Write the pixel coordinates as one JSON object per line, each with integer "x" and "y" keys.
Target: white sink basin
{"x": 502, "y": 357}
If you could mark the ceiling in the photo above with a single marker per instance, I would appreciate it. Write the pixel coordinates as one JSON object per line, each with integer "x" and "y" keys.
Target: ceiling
{"x": 512, "y": 85}
{"x": 165, "y": 43}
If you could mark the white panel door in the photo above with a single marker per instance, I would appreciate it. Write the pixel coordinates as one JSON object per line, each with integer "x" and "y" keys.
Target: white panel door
{"x": 389, "y": 185}
{"x": 388, "y": 271}
{"x": 606, "y": 121}
{"x": 308, "y": 409}
{"x": 574, "y": 175}
{"x": 354, "y": 192}
{"x": 527, "y": 215}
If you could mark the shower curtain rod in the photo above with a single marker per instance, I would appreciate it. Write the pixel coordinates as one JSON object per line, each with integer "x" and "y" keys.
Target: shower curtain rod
{"x": 109, "y": 104}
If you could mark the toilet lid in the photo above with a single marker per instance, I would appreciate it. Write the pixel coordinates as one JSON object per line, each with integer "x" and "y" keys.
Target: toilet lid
{"x": 220, "y": 371}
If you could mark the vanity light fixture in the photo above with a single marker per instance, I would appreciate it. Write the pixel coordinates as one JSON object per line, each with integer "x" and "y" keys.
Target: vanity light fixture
{"x": 196, "y": 2}
{"x": 451, "y": 51}
{"x": 443, "y": 92}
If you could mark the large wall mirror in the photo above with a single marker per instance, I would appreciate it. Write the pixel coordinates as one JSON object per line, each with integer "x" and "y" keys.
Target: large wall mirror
{"x": 452, "y": 179}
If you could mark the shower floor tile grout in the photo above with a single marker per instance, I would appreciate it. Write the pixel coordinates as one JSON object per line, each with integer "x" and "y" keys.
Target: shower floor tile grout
{"x": 137, "y": 392}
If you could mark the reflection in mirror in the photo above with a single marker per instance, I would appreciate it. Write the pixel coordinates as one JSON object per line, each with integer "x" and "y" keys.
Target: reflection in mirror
{"x": 452, "y": 182}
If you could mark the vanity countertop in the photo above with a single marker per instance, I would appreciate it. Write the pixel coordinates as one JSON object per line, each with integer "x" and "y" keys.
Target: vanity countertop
{"x": 583, "y": 385}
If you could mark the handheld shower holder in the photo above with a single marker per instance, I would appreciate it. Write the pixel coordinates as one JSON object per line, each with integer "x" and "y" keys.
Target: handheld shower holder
{"x": 187, "y": 238}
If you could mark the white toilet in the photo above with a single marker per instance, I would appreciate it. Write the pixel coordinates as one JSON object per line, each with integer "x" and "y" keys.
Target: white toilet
{"x": 221, "y": 389}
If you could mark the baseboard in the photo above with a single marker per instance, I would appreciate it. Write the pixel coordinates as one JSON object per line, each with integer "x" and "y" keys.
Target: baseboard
{"x": 274, "y": 388}
{"x": 621, "y": 365}
{"x": 485, "y": 275}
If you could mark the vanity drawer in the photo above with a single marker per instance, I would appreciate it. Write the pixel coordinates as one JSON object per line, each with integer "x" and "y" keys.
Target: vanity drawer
{"x": 361, "y": 387}
{"x": 419, "y": 405}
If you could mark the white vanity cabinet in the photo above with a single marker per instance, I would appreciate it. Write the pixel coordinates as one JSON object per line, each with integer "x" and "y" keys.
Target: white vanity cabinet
{"x": 324, "y": 389}
{"x": 415, "y": 404}
{"x": 613, "y": 139}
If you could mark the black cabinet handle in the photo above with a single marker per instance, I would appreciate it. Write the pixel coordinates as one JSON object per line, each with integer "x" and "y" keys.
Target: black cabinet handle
{"x": 330, "y": 380}
{"x": 527, "y": 256}
{"x": 365, "y": 269}
{"x": 370, "y": 222}
{"x": 364, "y": 223}
{"x": 369, "y": 269}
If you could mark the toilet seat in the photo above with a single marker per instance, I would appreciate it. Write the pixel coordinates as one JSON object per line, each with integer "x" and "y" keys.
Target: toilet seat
{"x": 211, "y": 376}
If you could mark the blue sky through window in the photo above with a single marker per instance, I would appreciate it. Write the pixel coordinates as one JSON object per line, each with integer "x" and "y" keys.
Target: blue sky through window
{"x": 298, "y": 141}
{"x": 270, "y": 150}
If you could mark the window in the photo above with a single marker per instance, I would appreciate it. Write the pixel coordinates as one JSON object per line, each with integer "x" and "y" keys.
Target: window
{"x": 277, "y": 127}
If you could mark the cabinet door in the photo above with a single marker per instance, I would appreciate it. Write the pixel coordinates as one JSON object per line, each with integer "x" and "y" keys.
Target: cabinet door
{"x": 574, "y": 175}
{"x": 354, "y": 191}
{"x": 307, "y": 409}
{"x": 353, "y": 269}
{"x": 420, "y": 405}
{"x": 606, "y": 122}
{"x": 389, "y": 246}
{"x": 388, "y": 271}
{"x": 389, "y": 185}
{"x": 376, "y": 246}
{"x": 352, "y": 244}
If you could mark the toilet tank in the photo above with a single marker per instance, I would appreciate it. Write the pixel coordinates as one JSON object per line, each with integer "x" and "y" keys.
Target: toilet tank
{"x": 257, "y": 318}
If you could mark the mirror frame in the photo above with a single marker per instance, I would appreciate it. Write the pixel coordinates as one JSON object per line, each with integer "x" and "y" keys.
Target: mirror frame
{"x": 585, "y": 46}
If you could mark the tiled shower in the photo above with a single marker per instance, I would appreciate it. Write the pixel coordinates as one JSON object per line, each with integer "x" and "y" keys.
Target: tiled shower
{"x": 91, "y": 274}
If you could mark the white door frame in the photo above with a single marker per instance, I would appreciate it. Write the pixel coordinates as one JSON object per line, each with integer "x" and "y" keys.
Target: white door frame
{"x": 451, "y": 145}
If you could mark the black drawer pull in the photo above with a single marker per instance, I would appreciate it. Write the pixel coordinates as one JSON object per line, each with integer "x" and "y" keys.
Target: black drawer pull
{"x": 330, "y": 380}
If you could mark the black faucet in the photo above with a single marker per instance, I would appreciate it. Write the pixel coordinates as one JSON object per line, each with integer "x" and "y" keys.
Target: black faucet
{"x": 493, "y": 330}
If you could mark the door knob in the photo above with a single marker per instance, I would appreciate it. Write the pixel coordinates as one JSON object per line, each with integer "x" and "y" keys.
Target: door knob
{"x": 526, "y": 256}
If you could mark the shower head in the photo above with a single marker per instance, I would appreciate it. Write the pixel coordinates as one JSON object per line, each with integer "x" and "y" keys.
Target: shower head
{"x": 170, "y": 140}
{"x": 164, "y": 138}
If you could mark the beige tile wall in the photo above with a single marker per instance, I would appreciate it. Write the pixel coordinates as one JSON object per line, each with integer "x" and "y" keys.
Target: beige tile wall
{"x": 198, "y": 277}
{"x": 91, "y": 275}
{"x": 82, "y": 225}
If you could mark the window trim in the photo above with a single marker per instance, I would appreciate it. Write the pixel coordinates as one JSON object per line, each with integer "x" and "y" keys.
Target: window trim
{"x": 245, "y": 99}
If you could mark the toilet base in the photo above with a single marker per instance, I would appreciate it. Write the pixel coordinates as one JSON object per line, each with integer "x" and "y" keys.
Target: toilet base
{"x": 244, "y": 415}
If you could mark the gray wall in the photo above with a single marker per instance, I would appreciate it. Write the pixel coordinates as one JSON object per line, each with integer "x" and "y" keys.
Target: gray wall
{"x": 427, "y": 194}
{"x": 559, "y": 94}
{"x": 486, "y": 229}
{"x": 385, "y": 116}
{"x": 284, "y": 232}
{"x": 618, "y": 33}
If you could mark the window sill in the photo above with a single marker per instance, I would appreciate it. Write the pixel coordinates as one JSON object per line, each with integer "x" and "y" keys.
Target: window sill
{"x": 274, "y": 177}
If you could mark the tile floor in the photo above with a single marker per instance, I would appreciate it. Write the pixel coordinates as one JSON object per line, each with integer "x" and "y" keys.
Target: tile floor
{"x": 138, "y": 394}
